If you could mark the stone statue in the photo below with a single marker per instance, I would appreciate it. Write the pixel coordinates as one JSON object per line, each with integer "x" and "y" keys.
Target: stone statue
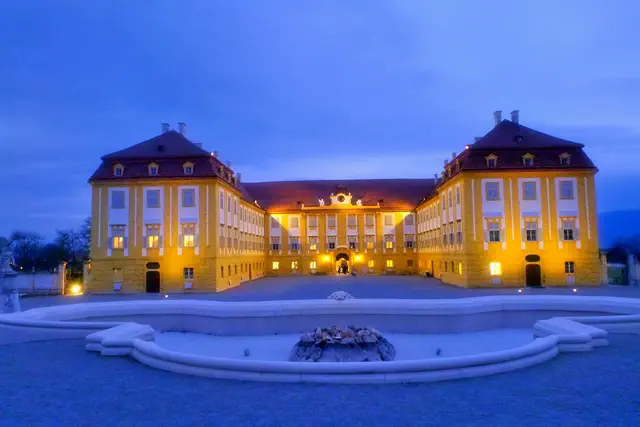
{"x": 359, "y": 202}
{"x": 10, "y": 296}
{"x": 321, "y": 202}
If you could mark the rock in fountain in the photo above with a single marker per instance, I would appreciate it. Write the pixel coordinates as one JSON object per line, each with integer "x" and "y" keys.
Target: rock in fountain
{"x": 340, "y": 296}
{"x": 349, "y": 344}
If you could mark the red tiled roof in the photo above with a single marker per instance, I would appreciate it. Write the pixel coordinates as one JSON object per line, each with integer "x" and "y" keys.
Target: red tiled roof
{"x": 394, "y": 193}
{"x": 166, "y": 145}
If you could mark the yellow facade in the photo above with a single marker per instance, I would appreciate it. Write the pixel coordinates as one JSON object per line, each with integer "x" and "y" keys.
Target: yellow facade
{"x": 171, "y": 222}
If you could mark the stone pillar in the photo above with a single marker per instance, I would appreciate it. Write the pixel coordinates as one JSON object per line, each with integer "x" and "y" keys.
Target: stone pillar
{"x": 631, "y": 270}
{"x": 604, "y": 271}
{"x": 85, "y": 275}
{"x": 61, "y": 277}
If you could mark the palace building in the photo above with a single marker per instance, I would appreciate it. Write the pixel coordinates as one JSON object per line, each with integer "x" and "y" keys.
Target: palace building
{"x": 514, "y": 208}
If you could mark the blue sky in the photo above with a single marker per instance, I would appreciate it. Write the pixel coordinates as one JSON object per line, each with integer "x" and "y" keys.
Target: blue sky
{"x": 281, "y": 88}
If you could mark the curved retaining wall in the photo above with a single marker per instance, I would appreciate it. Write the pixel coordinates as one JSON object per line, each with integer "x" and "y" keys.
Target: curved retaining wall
{"x": 562, "y": 323}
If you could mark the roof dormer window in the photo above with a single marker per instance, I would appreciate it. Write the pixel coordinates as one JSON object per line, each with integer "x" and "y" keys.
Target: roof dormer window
{"x": 449, "y": 171}
{"x": 565, "y": 159}
{"x": 118, "y": 170}
{"x": 457, "y": 166}
{"x": 492, "y": 161}
{"x": 153, "y": 169}
{"x": 188, "y": 168}
{"x": 527, "y": 159}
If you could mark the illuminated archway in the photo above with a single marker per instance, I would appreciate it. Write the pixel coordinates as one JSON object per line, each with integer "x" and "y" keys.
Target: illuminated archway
{"x": 342, "y": 263}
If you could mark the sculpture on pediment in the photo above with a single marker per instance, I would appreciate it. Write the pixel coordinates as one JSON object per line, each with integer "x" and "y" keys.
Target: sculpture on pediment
{"x": 321, "y": 202}
{"x": 359, "y": 202}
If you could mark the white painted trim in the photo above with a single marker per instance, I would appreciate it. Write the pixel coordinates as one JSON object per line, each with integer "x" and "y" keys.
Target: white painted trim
{"x": 549, "y": 209}
{"x": 586, "y": 202}
{"x": 206, "y": 217}
{"x": 170, "y": 215}
{"x": 473, "y": 208}
{"x": 513, "y": 231}
{"x": 99, "y": 216}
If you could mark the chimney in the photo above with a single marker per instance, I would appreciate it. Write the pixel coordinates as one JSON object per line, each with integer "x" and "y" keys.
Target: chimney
{"x": 182, "y": 128}
{"x": 165, "y": 127}
{"x": 229, "y": 164}
{"x": 216, "y": 154}
{"x": 453, "y": 156}
{"x": 239, "y": 175}
{"x": 515, "y": 116}
{"x": 445, "y": 162}
{"x": 497, "y": 117}
{"x": 476, "y": 138}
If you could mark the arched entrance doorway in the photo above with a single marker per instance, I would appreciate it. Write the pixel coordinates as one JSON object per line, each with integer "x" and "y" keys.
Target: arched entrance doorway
{"x": 342, "y": 263}
{"x": 153, "y": 281}
{"x": 533, "y": 275}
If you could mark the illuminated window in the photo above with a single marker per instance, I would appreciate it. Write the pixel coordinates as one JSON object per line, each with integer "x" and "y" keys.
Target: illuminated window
{"x": 118, "y": 240}
{"x": 187, "y": 273}
{"x": 313, "y": 243}
{"x": 495, "y": 268}
{"x": 569, "y": 267}
{"x": 188, "y": 235}
{"x": 294, "y": 265}
{"x": 388, "y": 244}
{"x": 153, "y": 236}
{"x": 312, "y": 265}
{"x": 389, "y": 263}
{"x": 370, "y": 263}
{"x": 529, "y": 190}
{"x": 460, "y": 268}
{"x": 275, "y": 265}
{"x": 370, "y": 244}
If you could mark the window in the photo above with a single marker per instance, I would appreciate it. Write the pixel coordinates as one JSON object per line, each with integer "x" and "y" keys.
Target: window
{"x": 569, "y": 267}
{"x": 229, "y": 270}
{"x": 459, "y": 232}
{"x": 368, "y": 220}
{"x": 409, "y": 240}
{"x": 388, "y": 241}
{"x": 444, "y": 203}
{"x": 294, "y": 265}
{"x": 408, "y": 220}
{"x": 221, "y": 200}
{"x": 275, "y": 243}
{"x": 565, "y": 159}
{"x": 494, "y": 231}
{"x": 370, "y": 240}
{"x": 313, "y": 221}
{"x": 294, "y": 222}
{"x": 527, "y": 160}
{"x": 153, "y": 198}
{"x": 351, "y": 221}
{"x": 312, "y": 265}
{"x": 492, "y": 161}
{"x": 275, "y": 265}
{"x": 495, "y": 268}
{"x": 187, "y": 273}
{"x": 274, "y": 222}
{"x": 457, "y": 195}
{"x": 313, "y": 243}
{"x": 153, "y": 169}
{"x": 388, "y": 220}
{"x": 568, "y": 230}
{"x": 188, "y": 197}
{"x": 389, "y": 263}
{"x": 153, "y": 236}
{"x": 492, "y": 190}
{"x": 188, "y": 235}
{"x": 529, "y": 191}
{"x": 460, "y": 268}
{"x": 409, "y": 263}
{"x": 188, "y": 168}
{"x": 228, "y": 203}
{"x": 566, "y": 190}
{"x": 331, "y": 221}
{"x": 331, "y": 242}
{"x": 353, "y": 244}
{"x": 370, "y": 263}
{"x": 531, "y": 231}
{"x": 117, "y": 237}
{"x": 294, "y": 243}
{"x": 117, "y": 199}
{"x": 450, "y": 199}
{"x": 118, "y": 170}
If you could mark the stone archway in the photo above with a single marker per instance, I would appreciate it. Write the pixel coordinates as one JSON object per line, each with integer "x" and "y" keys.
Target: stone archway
{"x": 343, "y": 265}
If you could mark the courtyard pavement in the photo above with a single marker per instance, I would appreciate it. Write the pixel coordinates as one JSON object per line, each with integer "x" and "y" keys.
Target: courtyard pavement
{"x": 308, "y": 287}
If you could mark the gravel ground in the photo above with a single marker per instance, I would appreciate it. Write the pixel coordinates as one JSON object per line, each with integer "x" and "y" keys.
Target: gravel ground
{"x": 307, "y": 287}
{"x": 58, "y": 383}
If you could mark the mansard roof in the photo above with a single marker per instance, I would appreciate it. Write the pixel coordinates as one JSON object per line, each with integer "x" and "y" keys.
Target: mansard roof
{"x": 510, "y": 135}
{"x": 170, "y": 144}
{"x": 399, "y": 194}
